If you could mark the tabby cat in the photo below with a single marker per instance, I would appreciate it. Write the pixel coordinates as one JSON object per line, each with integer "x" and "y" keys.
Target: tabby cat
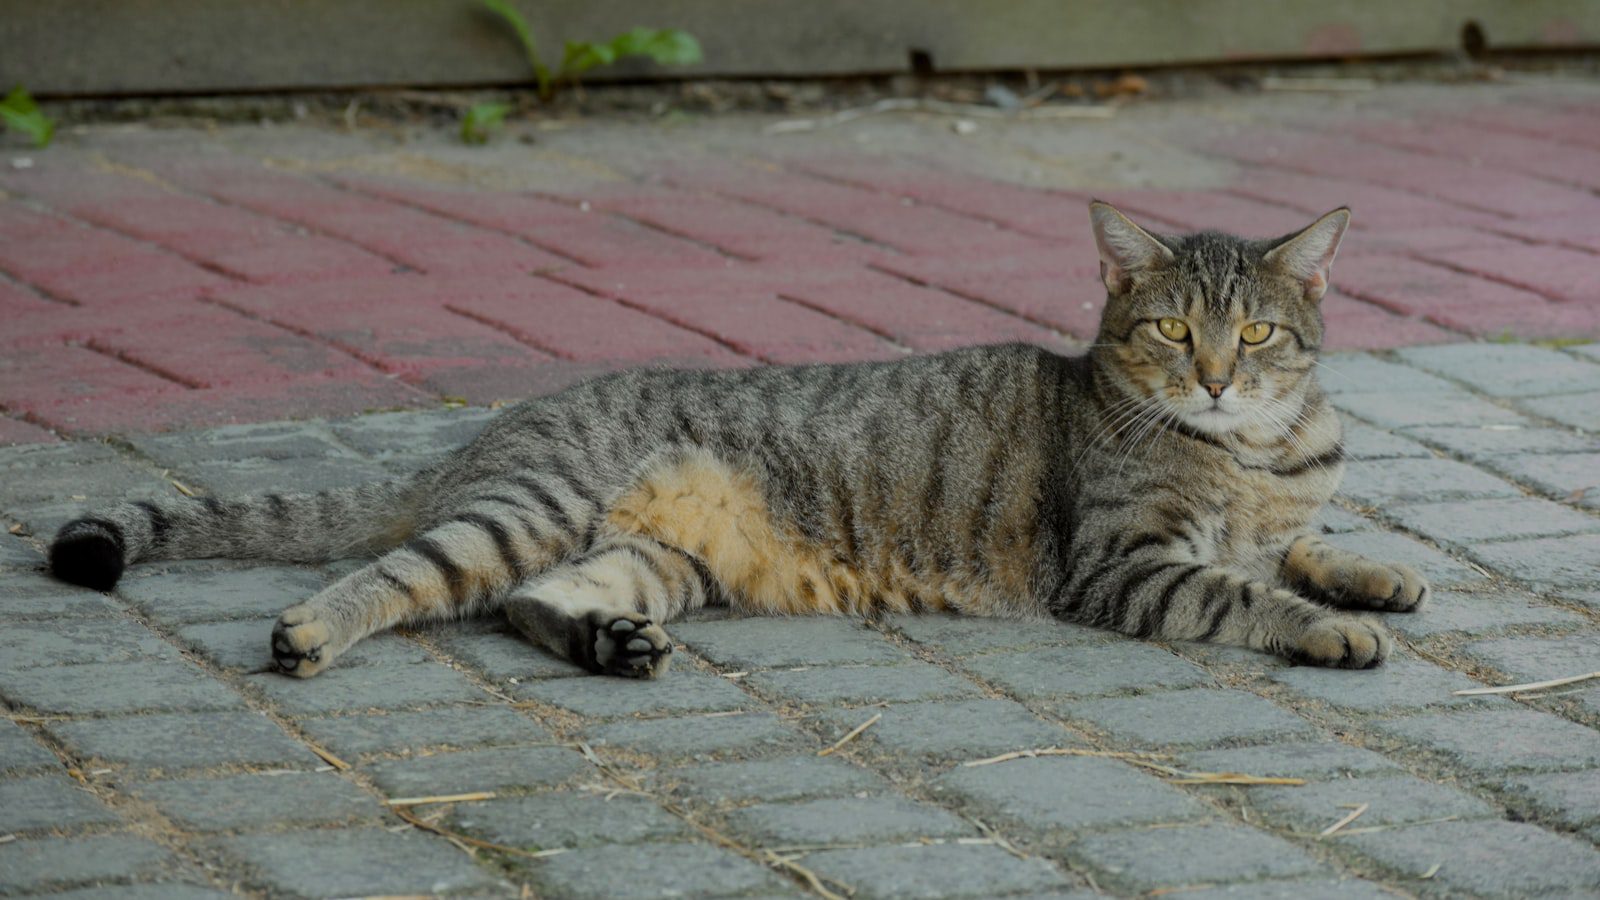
{"x": 1159, "y": 486}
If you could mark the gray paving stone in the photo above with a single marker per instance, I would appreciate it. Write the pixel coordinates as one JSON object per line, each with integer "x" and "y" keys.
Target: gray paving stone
{"x": 245, "y": 645}
{"x": 1570, "y": 798}
{"x": 863, "y": 684}
{"x": 548, "y": 821}
{"x": 78, "y": 486}
{"x": 1568, "y": 477}
{"x": 1400, "y": 683}
{"x": 412, "y": 433}
{"x": 1492, "y": 740}
{"x": 466, "y": 771}
{"x": 256, "y": 476}
{"x": 965, "y": 635}
{"x": 277, "y": 441}
{"x": 683, "y": 690}
{"x": 1349, "y": 373}
{"x": 183, "y": 740}
{"x": 49, "y": 801}
{"x": 1321, "y": 889}
{"x": 293, "y": 799}
{"x": 1381, "y": 483}
{"x": 1399, "y": 409}
{"x": 967, "y": 728}
{"x": 1086, "y": 670}
{"x": 1589, "y": 598}
{"x": 1362, "y": 441}
{"x": 773, "y": 780}
{"x": 939, "y": 870}
{"x": 355, "y": 863}
{"x": 117, "y": 688}
{"x": 1331, "y": 519}
{"x": 31, "y": 865}
{"x": 1540, "y": 658}
{"x": 652, "y": 870}
{"x": 1506, "y": 370}
{"x": 1572, "y": 561}
{"x": 501, "y": 655}
{"x": 1576, "y": 410}
{"x": 1386, "y": 546}
{"x": 1069, "y": 792}
{"x": 1470, "y": 521}
{"x": 17, "y": 553}
{"x": 19, "y": 752}
{"x": 1485, "y": 443}
{"x": 1322, "y": 759}
{"x": 1198, "y": 716}
{"x": 1147, "y": 860}
{"x": 1390, "y": 800}
{"x": 451, "y": 727}
{"x": 259, "y": 592}
{"x": 763, "y": 643}
{"x": 1478, "y": 612}
{"x": 1488, "y": 859}
{"x": 65, "y": 641}
{"x": 28, "y": 595}
{"x": 348, "y": 688}
{"x": 698, "y": 735}
{"x": 159, "y": 891}
{"x": 848, "y": 820}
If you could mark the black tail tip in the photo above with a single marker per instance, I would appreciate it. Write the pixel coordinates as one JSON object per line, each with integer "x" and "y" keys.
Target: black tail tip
{"x": 87, "y": 554}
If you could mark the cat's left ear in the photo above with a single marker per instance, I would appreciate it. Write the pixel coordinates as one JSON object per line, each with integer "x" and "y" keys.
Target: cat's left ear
{"x": 1307, "y": 256}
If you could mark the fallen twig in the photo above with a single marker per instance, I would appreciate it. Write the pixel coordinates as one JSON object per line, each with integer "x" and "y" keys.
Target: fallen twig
{"x": 1432, "y": 871}
{"x": 1181, "y": 777}
{"x": 442, "y": 798}
{"x": 1529, "y": 686}
{"x": 1353, "y": 815}
{"x": 329, "y": 758}
{"x": 852, "y": 735}
{"x": 417, "y": 822}
{"x": 1063, "y": 751}
{"x": 811, "y": 878}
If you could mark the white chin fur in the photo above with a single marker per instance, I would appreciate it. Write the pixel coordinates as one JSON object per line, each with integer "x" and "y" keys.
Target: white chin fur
{"x": 1213, "y": 420}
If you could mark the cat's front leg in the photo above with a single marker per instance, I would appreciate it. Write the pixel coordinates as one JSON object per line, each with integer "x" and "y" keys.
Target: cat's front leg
{"x": 1151, "y": 590}
{"x": 1340, "y": 578}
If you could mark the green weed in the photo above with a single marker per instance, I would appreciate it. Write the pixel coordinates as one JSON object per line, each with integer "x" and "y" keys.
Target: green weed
{"x": 667, "y": 46}
{"x": 20, "y": 113}
{"x": 483, "y": 120}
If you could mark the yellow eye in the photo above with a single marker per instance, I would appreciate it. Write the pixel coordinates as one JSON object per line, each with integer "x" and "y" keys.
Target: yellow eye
{"x": 1173, "y": 329}
{"x": 1256, "y": 332}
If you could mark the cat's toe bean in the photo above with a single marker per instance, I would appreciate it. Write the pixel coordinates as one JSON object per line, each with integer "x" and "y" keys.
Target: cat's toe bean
{"x": 299, "y": 643}
{"x": 631, "y": 647}
{"x": 1344, "y": 642}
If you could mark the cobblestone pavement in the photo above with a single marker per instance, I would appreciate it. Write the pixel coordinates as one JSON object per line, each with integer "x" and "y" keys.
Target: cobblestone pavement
{"x": 145, "y": 746}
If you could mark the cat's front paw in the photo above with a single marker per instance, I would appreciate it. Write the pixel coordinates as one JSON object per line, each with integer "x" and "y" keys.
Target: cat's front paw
{"x": 1342, "y": 642}
{"x": 300, "y": 642}
{"x": 1396, "y": 588}
{"x": 630, "y": 645}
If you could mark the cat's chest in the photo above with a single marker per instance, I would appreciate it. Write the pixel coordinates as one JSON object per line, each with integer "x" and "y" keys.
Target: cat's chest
{"x": 1257, "y": 512}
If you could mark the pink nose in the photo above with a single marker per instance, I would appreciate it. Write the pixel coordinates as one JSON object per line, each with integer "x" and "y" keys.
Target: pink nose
{"x": 1215, "y": 388}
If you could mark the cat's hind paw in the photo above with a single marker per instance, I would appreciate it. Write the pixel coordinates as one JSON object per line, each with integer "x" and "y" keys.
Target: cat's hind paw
{"x": 630, "y": 645}
{"x": 1342, "y": 642}
{"x": 300, "y": 642}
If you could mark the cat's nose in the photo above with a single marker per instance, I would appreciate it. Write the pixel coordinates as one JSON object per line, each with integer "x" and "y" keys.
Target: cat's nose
{"x": 1215, "y": 388}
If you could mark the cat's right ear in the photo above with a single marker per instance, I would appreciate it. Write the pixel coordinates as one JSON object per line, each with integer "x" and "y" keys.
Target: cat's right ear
{"x": 1124, "y": 247}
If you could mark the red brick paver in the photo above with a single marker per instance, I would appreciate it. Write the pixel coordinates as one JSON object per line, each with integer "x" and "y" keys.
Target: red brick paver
{"x": 150, "y": 288}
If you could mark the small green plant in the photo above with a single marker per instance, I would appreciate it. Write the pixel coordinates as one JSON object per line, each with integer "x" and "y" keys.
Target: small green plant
{"x": 483, "y": 120}
{"x": 667, "y": 46}
{"x": 19, "y": 112}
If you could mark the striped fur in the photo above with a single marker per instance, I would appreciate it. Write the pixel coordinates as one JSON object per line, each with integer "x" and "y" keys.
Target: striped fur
{"x": 1114, "y": 489}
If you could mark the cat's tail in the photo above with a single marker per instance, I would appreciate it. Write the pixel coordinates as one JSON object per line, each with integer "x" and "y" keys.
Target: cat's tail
{"x": 332, "y": 524}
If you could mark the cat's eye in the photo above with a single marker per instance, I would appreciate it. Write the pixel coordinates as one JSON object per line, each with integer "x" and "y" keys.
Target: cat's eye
{"x": 1256, "y": 332}
{"x": 1173, "y": 329}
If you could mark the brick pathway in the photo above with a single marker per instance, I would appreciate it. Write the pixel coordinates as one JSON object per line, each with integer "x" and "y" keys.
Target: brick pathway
{"x": 157, "y": 280}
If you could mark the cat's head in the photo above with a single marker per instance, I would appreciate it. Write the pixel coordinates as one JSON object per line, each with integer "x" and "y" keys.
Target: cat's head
{"x": 1214, "y": 331}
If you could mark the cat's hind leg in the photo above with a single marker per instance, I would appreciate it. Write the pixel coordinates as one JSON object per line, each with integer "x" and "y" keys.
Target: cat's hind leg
{"x": 604, "y": 610}
{"x": 467, "y": 562}
{"x": 1340, "y": 578}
